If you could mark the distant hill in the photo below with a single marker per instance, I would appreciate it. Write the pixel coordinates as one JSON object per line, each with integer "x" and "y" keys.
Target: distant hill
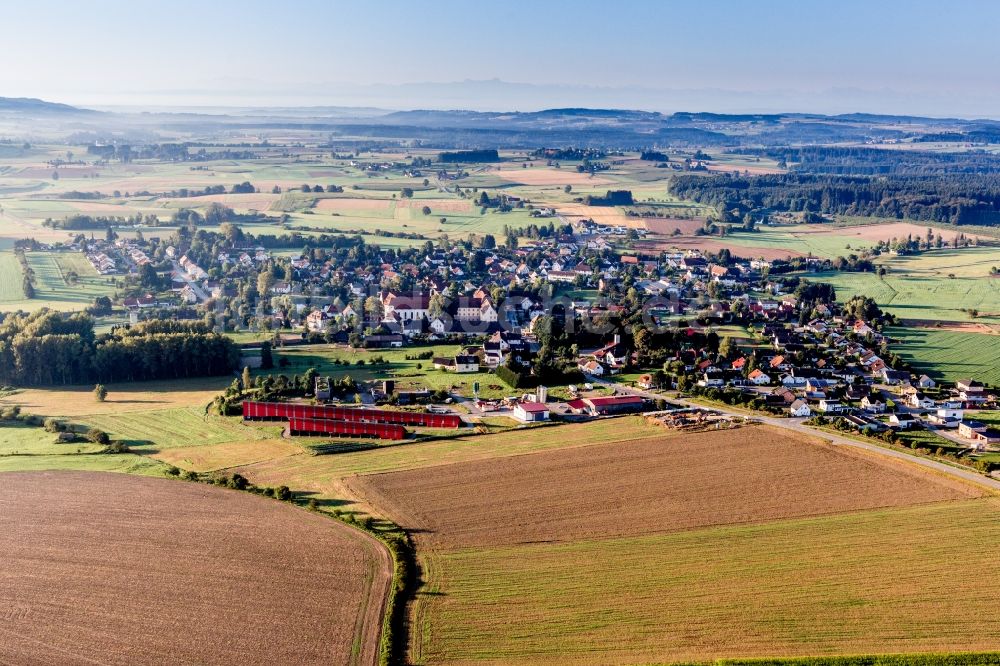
{"x": 32, "y": 105}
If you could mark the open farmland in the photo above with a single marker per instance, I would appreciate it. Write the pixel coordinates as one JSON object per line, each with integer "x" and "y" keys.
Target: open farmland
{"x": 180, "y": 565}
{"x": 11, "y": 277}
{"x": 949, "y": 355}
{"x": 644, "y": 486}
{"x": 324, "y": 475}
{"x": 942, "y": 285}
{"x": 683, "y": 547}
{"x": 880, "y": 581}
{"x": 133, "y": 397}
{"x": 168, "y": 428}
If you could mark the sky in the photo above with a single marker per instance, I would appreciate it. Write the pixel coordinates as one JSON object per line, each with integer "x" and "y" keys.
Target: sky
{"x": 934, "y": 58}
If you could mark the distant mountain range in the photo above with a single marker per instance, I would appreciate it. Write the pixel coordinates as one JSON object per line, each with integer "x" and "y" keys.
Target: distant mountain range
{"x": 577, "y": 126}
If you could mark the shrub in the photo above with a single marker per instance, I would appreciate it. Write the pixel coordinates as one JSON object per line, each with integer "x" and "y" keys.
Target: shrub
{"x": 173, "y": 471}
{"x": 239, "y": 482}
{"x": 116, "y": 447}
{"x": 282, "y": 493}
{"x": 100, "y": 393}
{"x": 54, "y": 425}
{"x": 98, "y": 436}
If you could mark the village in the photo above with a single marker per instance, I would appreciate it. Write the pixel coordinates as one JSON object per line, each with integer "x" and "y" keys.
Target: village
{"x": 567, "y": 306}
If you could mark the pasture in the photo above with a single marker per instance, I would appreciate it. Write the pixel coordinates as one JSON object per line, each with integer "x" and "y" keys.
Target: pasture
{"x": 179, "y": 561}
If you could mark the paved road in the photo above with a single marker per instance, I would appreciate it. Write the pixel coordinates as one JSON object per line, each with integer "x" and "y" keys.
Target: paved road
{"x": 183, "y": 274}
{"x": 798, "y": 425}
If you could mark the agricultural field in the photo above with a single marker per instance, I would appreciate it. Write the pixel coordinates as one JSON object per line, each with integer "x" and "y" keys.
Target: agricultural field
{"x": 169, "y": 428}
{"x": 11, "y": 277}
{"x": 179, "y": 561}
{"x": 63, "y": 281}
{"x": 675, "y": 482}
{"x": 943, "y": 285}
{"x": 502, "y": 543}
{"x": 949, "y": 354}
{"x": 75, "y": 401}
{"x": 880, "y": 581}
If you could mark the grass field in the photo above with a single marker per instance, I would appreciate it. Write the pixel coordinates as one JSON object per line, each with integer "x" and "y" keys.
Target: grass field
{"x": 54, "y": 285}
{"x": 135, "y": 397}
{"x": 168, "y": 428}
{"x": 950, "y": 355}
{"x": 11, "y": 277}
{"x": 871, "y": 582}
{"x": 920, "y": 287}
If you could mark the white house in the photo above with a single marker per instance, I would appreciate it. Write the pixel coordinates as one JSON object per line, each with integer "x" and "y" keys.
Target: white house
{"x": 830, "y": 406}
{"x": 872, "y": 405}
{"x": 759, "y": 378}
{"x": 528, "y": 412}
{"x": 926, "y": 382}
{"x": 800, "y": 408}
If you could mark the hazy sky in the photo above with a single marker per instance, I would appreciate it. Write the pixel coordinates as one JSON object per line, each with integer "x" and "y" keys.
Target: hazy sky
{"x": 928, "y": 57}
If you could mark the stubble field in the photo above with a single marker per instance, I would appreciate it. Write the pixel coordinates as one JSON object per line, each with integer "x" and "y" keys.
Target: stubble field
{"x": 748, "y": 475}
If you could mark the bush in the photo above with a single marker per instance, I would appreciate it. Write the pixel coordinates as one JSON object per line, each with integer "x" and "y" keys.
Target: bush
{"x": 54, "y": 425}
{"x": 116, "y": 447}
{"x": 98, "y": 436}
{"x": 282, "y": 493}
{"x": 239, "y": 482}
{"x": 173, "y": 471}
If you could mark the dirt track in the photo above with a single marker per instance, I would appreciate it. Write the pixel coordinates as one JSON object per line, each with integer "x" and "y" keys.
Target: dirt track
{"x": 117, "y": 569}
{"x": 749, "y": 475}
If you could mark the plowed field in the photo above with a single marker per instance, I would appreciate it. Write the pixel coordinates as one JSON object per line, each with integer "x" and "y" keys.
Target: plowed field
{"x": 117, "y": 569}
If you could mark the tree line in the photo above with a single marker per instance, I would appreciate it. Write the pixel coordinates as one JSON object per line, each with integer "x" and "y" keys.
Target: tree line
{"x": 45, "y": 347}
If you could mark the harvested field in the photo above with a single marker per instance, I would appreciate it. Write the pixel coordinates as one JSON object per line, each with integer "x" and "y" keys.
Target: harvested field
{"x": 229, "y": 454}
{"x": 883, "y": 581}
{"x": 749, "y": 475}
{"x": 666, "y": 225}
{"x": 548, "y": 176}
{"x": 322, "y": 474}
{"x": 345, "y": 205}
{"x": 607, "y": 215}
{"x": 116, "y": 569}
{"x": 134, "y": 397}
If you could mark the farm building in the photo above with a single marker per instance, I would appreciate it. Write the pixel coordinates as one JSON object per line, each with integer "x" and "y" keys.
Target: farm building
{"x": 613, "y": 405}
{"x": 529, "y": 412}
{"x": 275, "y": 411}
{"x": 323, "y": 427}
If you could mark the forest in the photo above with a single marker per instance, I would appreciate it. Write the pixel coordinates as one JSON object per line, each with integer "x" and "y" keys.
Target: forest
{"x": 953, "y": 199}
{"x": 867, "y": 161}
{"x": 47, "y": 348}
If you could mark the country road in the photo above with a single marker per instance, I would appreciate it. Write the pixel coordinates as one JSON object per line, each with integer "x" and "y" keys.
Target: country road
{"x": 798, "y": 425}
